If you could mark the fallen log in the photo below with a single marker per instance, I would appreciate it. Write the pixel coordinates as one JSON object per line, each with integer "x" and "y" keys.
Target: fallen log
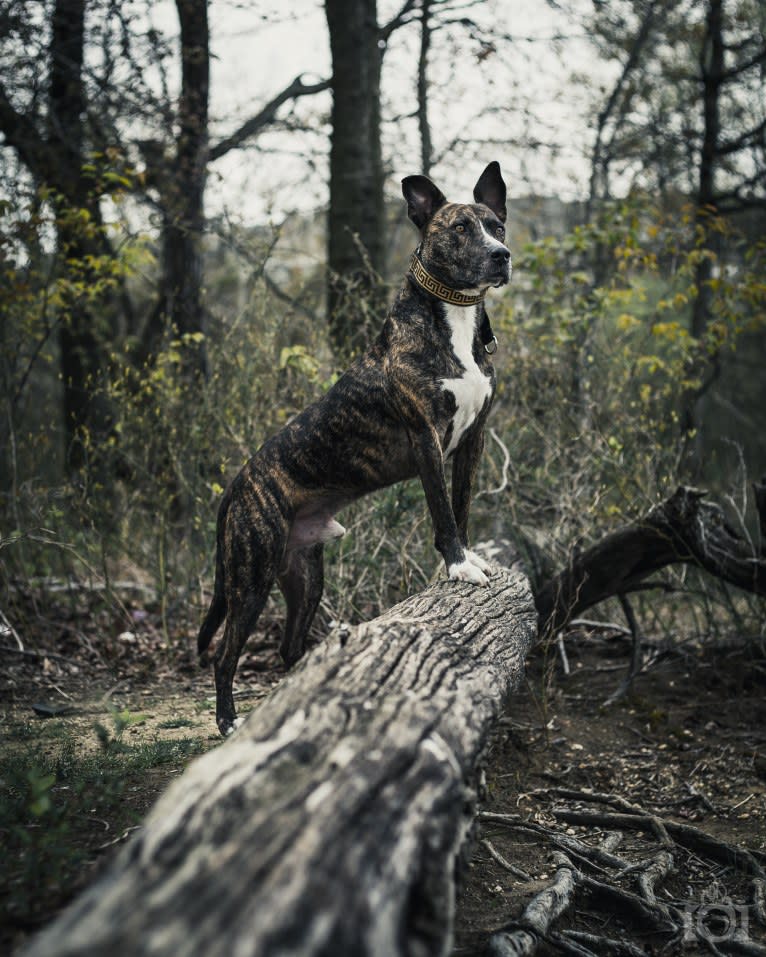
{"x": 331, "y": 821}
{"x": 684, "y": 529}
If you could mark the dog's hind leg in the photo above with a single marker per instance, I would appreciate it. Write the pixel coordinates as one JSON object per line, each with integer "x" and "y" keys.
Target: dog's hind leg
{"x": 301, "y": 582}
{"x": 240, "y": 624}
{"x": 254, "y": 550}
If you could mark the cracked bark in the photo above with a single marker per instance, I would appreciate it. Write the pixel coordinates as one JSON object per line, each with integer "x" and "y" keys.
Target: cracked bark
{"x": 333, "y": 820}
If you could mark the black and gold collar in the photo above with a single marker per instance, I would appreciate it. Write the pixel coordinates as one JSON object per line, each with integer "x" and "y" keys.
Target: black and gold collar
{"x": 437, "y": 288}
{"x": 454, "y": 297}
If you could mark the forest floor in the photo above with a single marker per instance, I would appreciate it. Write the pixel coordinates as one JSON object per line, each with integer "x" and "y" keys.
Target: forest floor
{"x": 100, "y": 712}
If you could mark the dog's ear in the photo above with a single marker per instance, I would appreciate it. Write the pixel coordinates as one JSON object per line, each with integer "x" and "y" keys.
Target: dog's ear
{"x": 423, "y": 199}
{"x": 490, "y": 190}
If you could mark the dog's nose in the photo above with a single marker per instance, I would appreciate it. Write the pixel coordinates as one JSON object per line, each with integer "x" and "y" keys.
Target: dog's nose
{"x": 501, "y": 254}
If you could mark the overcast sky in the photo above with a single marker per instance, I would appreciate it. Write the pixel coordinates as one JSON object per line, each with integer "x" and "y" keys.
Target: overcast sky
{"x": 534, "y": 86}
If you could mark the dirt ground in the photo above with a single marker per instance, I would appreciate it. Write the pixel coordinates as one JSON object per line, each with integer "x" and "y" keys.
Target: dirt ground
{"x": 688, "y": 744}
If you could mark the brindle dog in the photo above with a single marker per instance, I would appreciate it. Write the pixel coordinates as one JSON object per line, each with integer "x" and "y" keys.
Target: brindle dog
{"x": 418, "y": 396}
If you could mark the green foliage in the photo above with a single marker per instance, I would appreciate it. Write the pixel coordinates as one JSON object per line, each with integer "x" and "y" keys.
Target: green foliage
{"x": 53, "y": 809}
{"x": 596, "y": 359}
{"x": 147, "y": 494}
{"x": 122, "y": 720}
{"x": 47, "y": 288}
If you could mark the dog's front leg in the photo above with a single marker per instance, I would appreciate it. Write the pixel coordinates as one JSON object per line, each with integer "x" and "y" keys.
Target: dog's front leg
{"x": 461, "y": 564}
{"x": 465, "y": 464}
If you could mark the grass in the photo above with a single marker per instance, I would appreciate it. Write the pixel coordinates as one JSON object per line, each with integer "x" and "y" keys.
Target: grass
{"x": 174, "y": 723}
{"x": 62, "y": 809}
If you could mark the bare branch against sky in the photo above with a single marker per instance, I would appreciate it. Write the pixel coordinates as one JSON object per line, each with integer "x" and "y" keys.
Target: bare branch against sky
{"x": 503, "y": 72}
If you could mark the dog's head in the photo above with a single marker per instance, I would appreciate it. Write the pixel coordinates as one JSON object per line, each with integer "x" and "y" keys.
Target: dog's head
{"x": 462, "y": 244}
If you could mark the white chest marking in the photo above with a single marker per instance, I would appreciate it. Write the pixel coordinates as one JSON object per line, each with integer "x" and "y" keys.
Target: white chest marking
{"x": 472, "y": 388}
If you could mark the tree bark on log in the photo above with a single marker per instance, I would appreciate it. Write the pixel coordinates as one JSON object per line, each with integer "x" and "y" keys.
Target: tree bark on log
{"x": 331, "y": 822}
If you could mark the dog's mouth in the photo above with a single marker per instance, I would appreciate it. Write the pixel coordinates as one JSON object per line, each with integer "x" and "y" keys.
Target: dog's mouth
{"x": 499, "y": 275}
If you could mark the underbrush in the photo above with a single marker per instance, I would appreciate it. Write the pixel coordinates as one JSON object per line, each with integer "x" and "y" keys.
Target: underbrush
{"x": 64, "y": 804}
{"x": 584, "y": 434}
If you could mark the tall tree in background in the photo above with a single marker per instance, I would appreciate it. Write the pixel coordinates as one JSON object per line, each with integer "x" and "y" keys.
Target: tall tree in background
{"x": 52, "y": 143}
{"x": 180, "y": 305}
{"x": 356, "y": 218}
{"x": 612, "y": 114}
{"x": 687, "y": 113}
{"x": 355, "y": 221}
{"x": 686, "y": 118}
{"x": 81, "y": 132}
{"x": 424, "y": 125}
{"x": 178, "y": 167}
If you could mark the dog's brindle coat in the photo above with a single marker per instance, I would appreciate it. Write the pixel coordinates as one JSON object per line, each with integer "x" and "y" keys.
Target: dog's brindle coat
{"x": 419, "y": 395}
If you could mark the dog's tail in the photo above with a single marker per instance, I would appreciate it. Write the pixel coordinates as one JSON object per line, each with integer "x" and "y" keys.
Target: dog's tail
{"x": 217, "y": 610}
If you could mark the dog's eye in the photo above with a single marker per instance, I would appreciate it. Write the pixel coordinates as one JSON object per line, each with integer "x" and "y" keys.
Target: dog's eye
{"x": 500, "y": 232}
{"x": 459, "y": 228}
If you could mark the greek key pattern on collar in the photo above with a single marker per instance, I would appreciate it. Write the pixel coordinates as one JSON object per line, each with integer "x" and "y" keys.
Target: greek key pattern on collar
{"x": 424, "y": 279}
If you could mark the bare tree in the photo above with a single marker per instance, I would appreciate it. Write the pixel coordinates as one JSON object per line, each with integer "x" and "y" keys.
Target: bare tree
{"x": 82, "y": 112}
{"x": 686, "y": 115}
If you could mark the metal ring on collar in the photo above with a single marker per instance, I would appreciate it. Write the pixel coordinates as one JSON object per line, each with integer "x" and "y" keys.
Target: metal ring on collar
{"x": 491, "y": 347}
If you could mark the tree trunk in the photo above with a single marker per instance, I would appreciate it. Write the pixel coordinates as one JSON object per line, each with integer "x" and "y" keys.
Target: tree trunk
{"x": 602, "y": 153}
{"x": 424, "y": 127}
{"x": 332, "y": 820}
{"x": 83, "y": 360}
{"x": 712, "y": 78}
{"x": 711, "y": 70}
{"x": 355, "y": 224}
{"x": 180, "y": 309}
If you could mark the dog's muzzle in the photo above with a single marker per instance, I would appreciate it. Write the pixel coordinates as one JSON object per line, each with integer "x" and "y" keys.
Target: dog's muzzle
{"x": 499, "y": 268}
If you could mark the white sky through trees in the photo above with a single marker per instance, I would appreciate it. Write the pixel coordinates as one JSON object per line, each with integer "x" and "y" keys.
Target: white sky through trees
{"x": 524, "y": 101}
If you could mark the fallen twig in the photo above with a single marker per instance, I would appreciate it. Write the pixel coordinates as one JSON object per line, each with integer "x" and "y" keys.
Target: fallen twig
{"x": 10, "y": 630}
{"x": 595, "y": 856}
{"x": 498, "y": 857}
{"x": 504, "y": 470}
{"x": 28, "y": 653}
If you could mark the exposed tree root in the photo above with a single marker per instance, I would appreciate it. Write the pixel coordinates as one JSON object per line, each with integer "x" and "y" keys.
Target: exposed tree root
{"x": 505, "y": 864}
{"x": 589, "y": 944}
{"x": 759, "y": 900}
{"x": 521, "y": 937}
{"x": 594, "y": 872}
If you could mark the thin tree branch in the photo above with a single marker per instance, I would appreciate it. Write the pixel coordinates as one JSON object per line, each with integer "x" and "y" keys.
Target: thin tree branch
{"x": 20, "y": 133}
{"x": 748, "y": 138}
{"x": 398, "y": 20}
{"x": 266, "y": 115}
{"x": 735, "y": 71}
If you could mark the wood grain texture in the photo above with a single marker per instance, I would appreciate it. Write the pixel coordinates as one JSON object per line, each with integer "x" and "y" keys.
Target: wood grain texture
{"x": 331, "y": 822}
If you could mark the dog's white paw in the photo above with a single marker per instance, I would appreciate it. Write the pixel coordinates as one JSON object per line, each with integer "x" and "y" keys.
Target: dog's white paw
{"x": 479, "y": 562}
{"x": 236, "y": 723}
{"x": 467, "y": 571}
